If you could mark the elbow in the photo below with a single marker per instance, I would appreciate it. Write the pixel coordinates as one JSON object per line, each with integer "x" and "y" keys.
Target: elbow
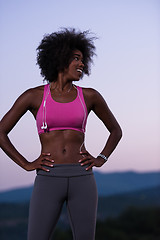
{"x": 2, "y": 137}
{"x": 118, "y": 133}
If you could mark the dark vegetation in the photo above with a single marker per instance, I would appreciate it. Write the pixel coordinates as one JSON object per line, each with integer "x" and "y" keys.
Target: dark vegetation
{"x": 132, "y": 224}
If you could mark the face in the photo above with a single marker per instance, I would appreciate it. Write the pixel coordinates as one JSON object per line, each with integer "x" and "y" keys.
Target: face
{"x": 75, "y": 69}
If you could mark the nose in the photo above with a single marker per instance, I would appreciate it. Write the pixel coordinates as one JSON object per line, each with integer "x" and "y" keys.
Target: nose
{"x": 81, "y": 64}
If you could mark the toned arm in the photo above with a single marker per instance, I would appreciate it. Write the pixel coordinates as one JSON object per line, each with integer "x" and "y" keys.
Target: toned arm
{"x": 20, "y": 107}
{"x": 97, "y": 104}
{"x": 29, "y": 100}
{"x": 103, "y": 112}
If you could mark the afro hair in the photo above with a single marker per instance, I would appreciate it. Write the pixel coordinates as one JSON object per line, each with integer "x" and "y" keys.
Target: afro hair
{"x": 56, "y": 49}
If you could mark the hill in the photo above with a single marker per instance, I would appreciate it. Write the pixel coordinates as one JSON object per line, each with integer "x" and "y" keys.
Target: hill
{"x": 112, "y": 206}
{"x": 123, "y": 182}
{"x": 108, "y": 184}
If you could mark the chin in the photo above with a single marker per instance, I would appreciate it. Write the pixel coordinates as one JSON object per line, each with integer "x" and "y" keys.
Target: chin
{"x": 76, "y": 79}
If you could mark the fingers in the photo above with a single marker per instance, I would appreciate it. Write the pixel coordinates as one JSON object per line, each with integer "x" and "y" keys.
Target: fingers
{"x": 84, "y": 153}
{"x": 88, "y": 159}
{"x": 90, "y": 166}
{"x": 45, "y": 160}
{"x": 88, "y": 162}
{"x": 46, "y": 154}
{"x": 46, "y": 157}
{"x": 44, "y": 169}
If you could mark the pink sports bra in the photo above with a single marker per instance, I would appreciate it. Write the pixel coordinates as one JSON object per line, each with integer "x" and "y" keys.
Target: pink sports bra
{"x": 54, "y": 115}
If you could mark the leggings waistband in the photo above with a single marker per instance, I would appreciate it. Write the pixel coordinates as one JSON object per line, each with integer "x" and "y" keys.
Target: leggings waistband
{"x": 66, "y": 170}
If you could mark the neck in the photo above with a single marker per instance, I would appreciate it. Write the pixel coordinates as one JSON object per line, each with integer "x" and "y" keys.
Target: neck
{"x": 61, "y": 85}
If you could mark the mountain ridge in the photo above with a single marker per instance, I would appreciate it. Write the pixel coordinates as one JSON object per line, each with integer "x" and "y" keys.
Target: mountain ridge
{"x": 119, "y": 182}
{"x": 108, "y": 184}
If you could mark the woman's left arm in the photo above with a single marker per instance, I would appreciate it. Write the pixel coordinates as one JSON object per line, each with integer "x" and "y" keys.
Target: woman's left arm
{"x": 101, "y": 109}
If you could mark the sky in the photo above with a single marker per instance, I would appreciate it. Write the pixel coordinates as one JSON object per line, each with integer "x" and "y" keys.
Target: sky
{"x": 125, "y": 71}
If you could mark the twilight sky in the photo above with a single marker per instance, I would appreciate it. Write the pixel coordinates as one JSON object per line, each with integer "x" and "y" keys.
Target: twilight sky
{"x": 126, "y": 72}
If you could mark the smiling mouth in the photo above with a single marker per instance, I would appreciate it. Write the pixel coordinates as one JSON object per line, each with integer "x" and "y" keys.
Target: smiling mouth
{"x": 79, "y": 70}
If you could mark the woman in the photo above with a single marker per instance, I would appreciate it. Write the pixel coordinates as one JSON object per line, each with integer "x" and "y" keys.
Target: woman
{"x": 64, "y": 167}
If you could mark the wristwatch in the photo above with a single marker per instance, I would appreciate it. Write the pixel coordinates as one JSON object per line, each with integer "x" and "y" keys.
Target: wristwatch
{"x": 103, "y": 156}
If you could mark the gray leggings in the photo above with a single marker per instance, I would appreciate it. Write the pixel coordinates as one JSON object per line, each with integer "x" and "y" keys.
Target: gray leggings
{"x": 69, "y": 183}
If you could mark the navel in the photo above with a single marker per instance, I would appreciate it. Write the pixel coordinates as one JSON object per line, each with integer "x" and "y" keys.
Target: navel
{"x": 64, "y": 151}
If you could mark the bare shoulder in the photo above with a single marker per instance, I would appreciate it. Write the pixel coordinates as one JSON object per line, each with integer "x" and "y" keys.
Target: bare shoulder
{"x": 92, "y": 98}
{"x": 98, "y": 105}
{"x": 31, "y": 95}
{"x": 28, "y": 100}
{"x": 33, "y": 91}
{"x": 92, "y": 94}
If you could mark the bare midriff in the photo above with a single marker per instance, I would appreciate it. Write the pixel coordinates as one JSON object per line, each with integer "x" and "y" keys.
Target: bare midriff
{"x": 63, "y": 145}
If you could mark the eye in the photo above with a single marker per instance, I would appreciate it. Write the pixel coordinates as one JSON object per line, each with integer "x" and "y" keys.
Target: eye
{"x": 76, "y": 58}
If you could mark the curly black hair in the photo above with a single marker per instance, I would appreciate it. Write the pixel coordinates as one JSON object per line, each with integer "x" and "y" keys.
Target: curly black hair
{"x": 56, "y": 50}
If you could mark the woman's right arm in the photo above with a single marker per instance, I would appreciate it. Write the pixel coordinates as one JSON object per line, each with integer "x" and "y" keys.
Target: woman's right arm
{"x": 20, "y": 107}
